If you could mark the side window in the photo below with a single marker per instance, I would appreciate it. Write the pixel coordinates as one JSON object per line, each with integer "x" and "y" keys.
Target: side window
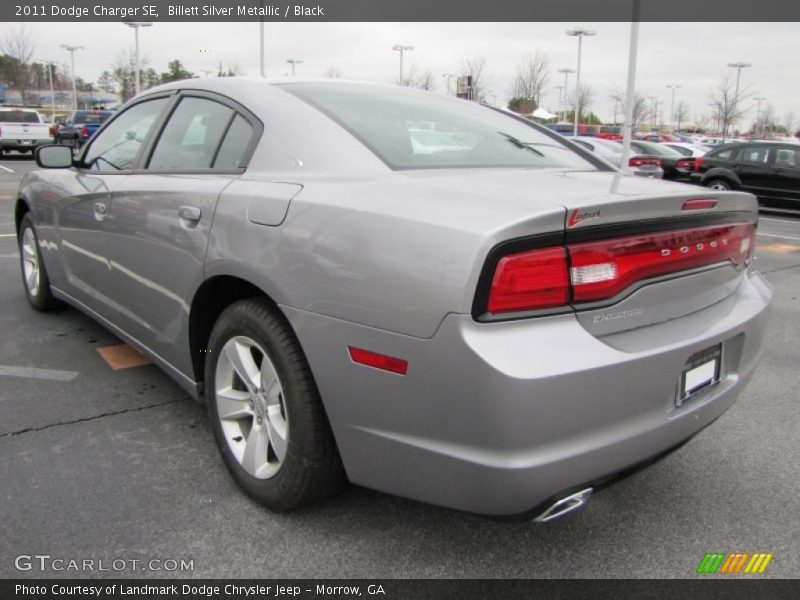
{"x": 116, "y": 147}
{"x": 191, "y": 136}
{"x": 231, "y": 154}
{"x": 787, "y": 157}
{"x": 754, "y": 155}
{"x": 724, "y": 155}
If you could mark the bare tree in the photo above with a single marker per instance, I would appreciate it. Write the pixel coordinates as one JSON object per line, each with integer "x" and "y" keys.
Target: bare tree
{"x": 727, "y": 107}
{"x": 19, "y": 45}
{"x": 701, "y": 121}
{"x": 585, "y": 98}
{"x": 641, "y": 108}
{"x": 681, "y": 114}
{"x": 532, "y": 76}
{"x": 477, "y": 69}
{"x": 334, "y": 72}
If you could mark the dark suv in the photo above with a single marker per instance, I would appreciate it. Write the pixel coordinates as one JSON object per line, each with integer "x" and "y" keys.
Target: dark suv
{"x": 771, "y": 171}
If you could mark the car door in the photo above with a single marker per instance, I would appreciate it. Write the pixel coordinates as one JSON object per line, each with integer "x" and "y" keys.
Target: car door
{"x": 785, "y": 163}
{"x": 751, "y": 165}
{"x": 161, "y": 218}
{"x": 82, "y": 200}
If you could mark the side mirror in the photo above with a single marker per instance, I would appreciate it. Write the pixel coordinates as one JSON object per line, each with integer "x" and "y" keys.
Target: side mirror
{"x": 54, "y": 156}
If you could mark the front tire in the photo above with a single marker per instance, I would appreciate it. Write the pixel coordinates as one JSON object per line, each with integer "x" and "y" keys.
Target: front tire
{"x": 266, "y": 414}
{"x": 34, "y": 274}
{"x": 719, "y": 184}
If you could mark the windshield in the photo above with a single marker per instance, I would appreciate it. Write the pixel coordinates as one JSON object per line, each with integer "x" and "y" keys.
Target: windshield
{"x": 413, "y": 130}
{"x": 19, "y": 116}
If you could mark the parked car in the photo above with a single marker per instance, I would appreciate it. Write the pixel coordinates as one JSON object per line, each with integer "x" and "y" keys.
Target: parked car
{"x": 643, "y": 165}
{"x": 22, "y": 130}
{"x": 499, "y": 326}
{"x": 676, "y": 166}
{"x": 770, "y": 170}
{"x": 687, "y": 149}
{"x": 79, "y": 126}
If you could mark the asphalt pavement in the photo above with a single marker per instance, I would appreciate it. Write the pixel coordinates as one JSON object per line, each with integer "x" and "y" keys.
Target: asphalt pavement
{"x": 106, "y": 464}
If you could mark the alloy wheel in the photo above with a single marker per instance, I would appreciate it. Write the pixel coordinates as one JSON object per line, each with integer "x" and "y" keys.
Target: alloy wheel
{"x": 30, "y": 262}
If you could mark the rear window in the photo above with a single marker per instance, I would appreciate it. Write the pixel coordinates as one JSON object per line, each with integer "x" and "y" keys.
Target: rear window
{"x": 415, "y": 130}
{"x": 19, "y": 116}
{"x": 724, "y": 154}
{"x": 91, "y": 118}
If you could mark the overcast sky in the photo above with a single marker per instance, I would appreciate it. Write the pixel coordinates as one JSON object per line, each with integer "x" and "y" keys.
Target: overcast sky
{"x": 693, "y": 55}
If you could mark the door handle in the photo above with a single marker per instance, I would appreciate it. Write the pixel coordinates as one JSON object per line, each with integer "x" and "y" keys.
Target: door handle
{"x": 100, "y": 210}
{"x": 189, "y": 213}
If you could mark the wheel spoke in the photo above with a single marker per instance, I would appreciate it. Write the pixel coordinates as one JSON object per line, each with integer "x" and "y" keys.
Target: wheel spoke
{"x": 33, "y": 281}
{"x": 268, "y": 377}
{"x": 255, "y": 452}
{"x": 276, "y": 429}
{"x": 233, "y": 404}
{"x": 242, "y": 362}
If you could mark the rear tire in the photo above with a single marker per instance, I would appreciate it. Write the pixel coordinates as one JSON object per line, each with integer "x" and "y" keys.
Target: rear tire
{"x": 34, "y": 274}
{"x": 719, "y": 184}
{"x": 265, "y": 410}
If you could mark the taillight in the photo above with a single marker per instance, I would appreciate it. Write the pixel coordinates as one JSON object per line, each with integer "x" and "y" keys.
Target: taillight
{"x": 529, "y": 281}
{"x": 698, "y": 162}
{"x": 581, "y": 272}
{"x": 52, "y": 130}
{"x": 685, "y": 163}
{"x": 601, "y": 270}
{"x": 639, "y": 161}
{"x": 85, "y": 132}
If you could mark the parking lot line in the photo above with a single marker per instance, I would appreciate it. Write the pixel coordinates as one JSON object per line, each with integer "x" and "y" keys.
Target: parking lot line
{"x": 2, "y": 235}
{"x": 780, "y": 248}
{"x": 34, "y": 373}
{"x": 6, "y": 169}
{"x": 783, "y": 237}
{"x": 123, "y": 357}
{"x": 779, "y": 220}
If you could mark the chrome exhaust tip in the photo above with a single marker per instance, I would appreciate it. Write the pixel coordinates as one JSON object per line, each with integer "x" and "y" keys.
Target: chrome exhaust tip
{"x": 567, "y": 504}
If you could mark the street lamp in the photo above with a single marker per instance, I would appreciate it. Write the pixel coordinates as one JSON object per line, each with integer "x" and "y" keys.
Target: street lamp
{"x": 566, "y": 73}
{"x": 654, "y": 121}
{"x": 560, "y": 89}
{"x": 294, "y": 62}
{"x": 580, "y": 33}
{"x": 738, "y": 66}
{"x": 135, "y": 26}
{"x": 758, "y": 126}
{"x": 52, "y": 91}
{"x": 71, "y": 50}
{"x": 448, "y": 77}
{"x": 401, "y": 49}
{"x": 673, "y": 87}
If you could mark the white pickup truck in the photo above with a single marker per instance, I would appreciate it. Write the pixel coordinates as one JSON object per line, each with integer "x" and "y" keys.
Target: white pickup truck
{"x": 22, "y": 129}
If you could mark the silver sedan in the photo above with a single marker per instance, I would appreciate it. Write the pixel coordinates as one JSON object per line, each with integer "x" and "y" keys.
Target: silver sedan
{"x": 411, "y": 292}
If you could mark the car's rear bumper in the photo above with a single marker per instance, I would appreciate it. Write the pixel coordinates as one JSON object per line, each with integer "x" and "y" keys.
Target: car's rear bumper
{"x": 22, "y": 144}
{"x": 498, "y": 418}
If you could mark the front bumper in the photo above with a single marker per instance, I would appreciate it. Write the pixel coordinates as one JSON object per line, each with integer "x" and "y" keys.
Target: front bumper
{"x": 498, "y": 418}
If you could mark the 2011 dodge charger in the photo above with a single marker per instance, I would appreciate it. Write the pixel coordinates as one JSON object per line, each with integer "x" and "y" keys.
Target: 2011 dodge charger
{"x": 411, "y": 292}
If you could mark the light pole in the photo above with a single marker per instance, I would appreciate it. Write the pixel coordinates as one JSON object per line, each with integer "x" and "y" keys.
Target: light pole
{"x": 566, "y": 73}
{"x": 401, "y": 49}
{"x": 580, "y": 33}
{"x": 294, "y": 62}
{"x": 738, "y": 66}
{"x": 654, "y": 120}
{"x": 71, "y": 50}
{"x": 135, "y": 25}
{"x": 52, "y": 92}
{"x": 448, "y": 77}
{"x": 758, "y": 130}
{"x": 673, "y": 87}
{"x": 560, "y": 89}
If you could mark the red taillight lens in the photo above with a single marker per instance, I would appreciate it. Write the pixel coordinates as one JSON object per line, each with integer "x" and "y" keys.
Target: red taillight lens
{"x": 378, "y": 361}
{"x": 639, "y": 161}
{"x": 601, "y": 270}
{"x": 698, "y": 162}
{"x": 52, "y": 130}
{"x": 529, "y": 281}
{"x": 85, "y": 132}
{"x": 685, "y": 163}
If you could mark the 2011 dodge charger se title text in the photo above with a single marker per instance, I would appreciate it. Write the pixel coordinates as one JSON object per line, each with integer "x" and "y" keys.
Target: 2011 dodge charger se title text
{"x": 411, "y": 292}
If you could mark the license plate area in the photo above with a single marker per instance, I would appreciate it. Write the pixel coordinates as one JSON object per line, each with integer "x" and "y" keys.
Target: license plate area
{"x": 702, "y": 370}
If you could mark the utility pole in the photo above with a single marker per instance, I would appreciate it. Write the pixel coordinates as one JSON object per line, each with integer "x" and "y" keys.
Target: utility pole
{"x": 580, "y": 33}
{"x": 673, "y": 87}
{"x": 52, "y": 92}
{"x": 448, "y": 77}
{"x": 566, "y": 73}
{"x": 135, "y": 26}
{"x": 738, "y": 66}
{"x": 71, "y": 50}
{"x": 401, "y": 49}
